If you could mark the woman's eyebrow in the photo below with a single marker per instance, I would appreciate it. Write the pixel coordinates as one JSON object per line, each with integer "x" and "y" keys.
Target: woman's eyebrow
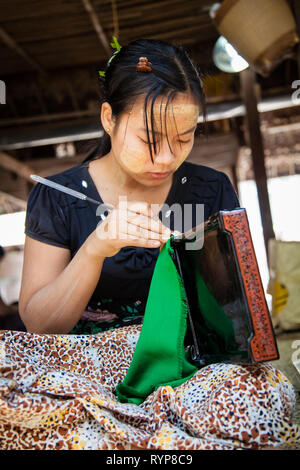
{"x": 160, "y": 133}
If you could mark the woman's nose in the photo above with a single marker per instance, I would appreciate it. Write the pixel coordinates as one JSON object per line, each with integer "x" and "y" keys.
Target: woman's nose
{"x": 164, "y": 156}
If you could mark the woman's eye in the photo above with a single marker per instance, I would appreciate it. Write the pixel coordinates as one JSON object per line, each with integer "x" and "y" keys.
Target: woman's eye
{"x": 151, "y": 143}
{"x": 180, "y": 141}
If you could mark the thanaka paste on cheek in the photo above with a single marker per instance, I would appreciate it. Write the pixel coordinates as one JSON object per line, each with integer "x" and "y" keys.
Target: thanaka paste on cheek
{"x": 132, "y": 159}
{"x": 184, "y": 154}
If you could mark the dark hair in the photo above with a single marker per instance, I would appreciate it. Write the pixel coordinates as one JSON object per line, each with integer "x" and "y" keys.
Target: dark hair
{"x": 172, "y": 71}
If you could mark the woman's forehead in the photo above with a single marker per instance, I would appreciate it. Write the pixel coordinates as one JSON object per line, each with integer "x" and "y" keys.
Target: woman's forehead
{"x": 179, "y": 109}
{"x": 180, "y": 102}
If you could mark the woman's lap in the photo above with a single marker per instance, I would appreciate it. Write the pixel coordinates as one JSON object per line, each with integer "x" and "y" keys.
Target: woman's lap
{"x": 57, "y": 391}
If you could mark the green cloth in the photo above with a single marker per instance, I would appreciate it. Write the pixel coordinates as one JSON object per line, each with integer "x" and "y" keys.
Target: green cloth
{"x": 159, "y": 357}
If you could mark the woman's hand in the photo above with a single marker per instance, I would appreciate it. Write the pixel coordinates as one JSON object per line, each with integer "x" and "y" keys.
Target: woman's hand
{"x": 135, "y": 226}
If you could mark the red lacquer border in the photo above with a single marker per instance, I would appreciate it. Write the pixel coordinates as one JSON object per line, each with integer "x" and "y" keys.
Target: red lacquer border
{"x": 263, "y": 343}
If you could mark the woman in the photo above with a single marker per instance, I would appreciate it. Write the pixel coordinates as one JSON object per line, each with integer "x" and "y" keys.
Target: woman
{"x": 64, "y": 252}
{"x": 82, "y": 277}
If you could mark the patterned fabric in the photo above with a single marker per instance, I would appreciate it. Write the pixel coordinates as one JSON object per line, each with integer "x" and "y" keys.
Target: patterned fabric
{"x": 57, "y": 392}
{"x": 108, "y": 314}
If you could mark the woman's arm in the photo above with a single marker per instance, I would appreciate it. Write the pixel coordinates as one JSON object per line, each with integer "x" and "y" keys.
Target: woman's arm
{"x": 55, "y": 290}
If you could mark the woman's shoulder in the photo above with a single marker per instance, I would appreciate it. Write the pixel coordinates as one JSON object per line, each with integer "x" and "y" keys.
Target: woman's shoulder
{"x": 211, "y": 187}
{"x": 73, "y": 178}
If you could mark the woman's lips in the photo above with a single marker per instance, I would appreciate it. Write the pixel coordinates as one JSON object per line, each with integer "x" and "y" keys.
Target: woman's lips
{"x": 159, "y": 175}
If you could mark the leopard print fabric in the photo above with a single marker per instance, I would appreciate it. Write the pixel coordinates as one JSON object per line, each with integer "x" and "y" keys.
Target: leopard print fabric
{"x": 57, "y": 392}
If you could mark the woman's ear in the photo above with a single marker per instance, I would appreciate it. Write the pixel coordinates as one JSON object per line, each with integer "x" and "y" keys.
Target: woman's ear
{"x": 107, "y": 117}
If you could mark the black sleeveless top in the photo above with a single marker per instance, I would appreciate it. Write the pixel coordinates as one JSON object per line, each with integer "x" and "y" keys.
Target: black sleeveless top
{"x": 61, "y": 220}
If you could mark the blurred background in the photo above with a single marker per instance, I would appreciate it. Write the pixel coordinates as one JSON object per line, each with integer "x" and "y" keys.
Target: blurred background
{"x": 249, "y": 57}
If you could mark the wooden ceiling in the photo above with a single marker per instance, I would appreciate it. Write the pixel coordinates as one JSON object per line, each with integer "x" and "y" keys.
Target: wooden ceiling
{"x": 51, "y": 50}
{"x": 63, "y": 33}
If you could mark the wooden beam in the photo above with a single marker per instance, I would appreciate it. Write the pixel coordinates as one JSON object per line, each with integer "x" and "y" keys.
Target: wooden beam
{"x": 291, "y": 127}
{"x": 49, "y": 117}
{"x": 97, "y": 25}
{"x": 17, "y": 167}
{"x": 248, "y": 82}
{"x": 14, "y": 202}
{"x": 115, "y": 18}
{"x": 12, "y": 44}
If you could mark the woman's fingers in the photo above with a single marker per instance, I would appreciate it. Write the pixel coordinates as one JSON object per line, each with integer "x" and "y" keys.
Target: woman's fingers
{"x": 143, "y": 209}
{"x": 134, "y": 224}
{"x": 142, "y": 216}
{"x": 138, "y": 232}
{"x": 139, "y": 241}
{"x": 147, "y": 227}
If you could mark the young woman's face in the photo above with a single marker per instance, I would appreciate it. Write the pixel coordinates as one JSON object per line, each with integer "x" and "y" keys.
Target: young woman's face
{"x": 130, "y": 145}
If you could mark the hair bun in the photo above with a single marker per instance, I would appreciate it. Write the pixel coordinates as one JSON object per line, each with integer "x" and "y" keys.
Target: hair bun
{"x": 144, "y": 65}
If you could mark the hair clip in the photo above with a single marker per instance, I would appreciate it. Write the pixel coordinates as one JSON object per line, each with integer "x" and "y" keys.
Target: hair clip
{"x": 144, "y": 65}
{"x": 114, "y": 45}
